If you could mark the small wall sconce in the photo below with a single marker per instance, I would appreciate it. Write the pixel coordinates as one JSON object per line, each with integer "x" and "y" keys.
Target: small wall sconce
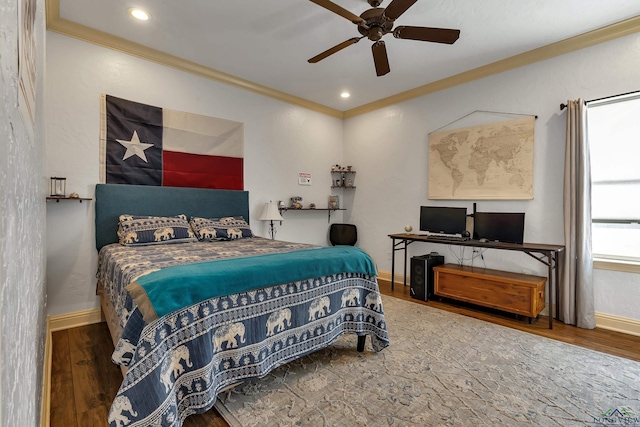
{"x": 58, "y": 186}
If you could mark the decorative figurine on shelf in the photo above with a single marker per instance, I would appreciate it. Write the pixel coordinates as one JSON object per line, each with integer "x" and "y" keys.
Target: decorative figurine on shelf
{"x": 349, "y": 168}
{"x": 312, "y": 205}
{"x": 296, "y": 202}
{"x": 74, "y": 195}
{"x": 281, "y": 204}
{"x": 335, "y": 168}
{"x": 349, "y": 182}
{"x": 338, "y": 183}
{"x": 334, "y": 202}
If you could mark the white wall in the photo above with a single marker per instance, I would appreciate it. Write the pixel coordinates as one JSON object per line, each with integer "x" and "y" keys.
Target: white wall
{"x": 280, "y": 141}
{"x": 22, "y": 231}
{"x": 389, "y": 148}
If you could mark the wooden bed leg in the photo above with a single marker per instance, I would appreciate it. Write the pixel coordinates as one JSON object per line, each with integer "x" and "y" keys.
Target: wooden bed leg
{"x": 361, "y": 340}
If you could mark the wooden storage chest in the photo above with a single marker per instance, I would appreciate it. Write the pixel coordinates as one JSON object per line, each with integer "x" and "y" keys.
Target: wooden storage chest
{"x": 515, "y": 293}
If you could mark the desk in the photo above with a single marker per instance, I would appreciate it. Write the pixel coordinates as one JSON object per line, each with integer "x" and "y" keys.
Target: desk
{"x": 549, "y": 255}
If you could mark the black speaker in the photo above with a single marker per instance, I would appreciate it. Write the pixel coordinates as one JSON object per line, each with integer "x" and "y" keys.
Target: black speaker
{"x": 422, "y": 275}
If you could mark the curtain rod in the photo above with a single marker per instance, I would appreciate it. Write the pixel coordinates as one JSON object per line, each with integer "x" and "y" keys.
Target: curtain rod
{"x": 563, "y": 106}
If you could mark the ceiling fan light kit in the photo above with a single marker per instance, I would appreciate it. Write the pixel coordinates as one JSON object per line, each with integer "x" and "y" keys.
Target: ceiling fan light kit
{"x": 374, "y": 23}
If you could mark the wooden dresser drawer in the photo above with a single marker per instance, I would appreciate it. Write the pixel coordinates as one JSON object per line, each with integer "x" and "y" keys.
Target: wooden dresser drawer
{"x": 512, "y": 292}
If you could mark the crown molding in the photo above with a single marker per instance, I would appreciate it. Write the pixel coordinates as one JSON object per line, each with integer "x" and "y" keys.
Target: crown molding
{"x": 610, "y": 32}
{"x": 73, "y": 29}
{"x": 100, "y": 38}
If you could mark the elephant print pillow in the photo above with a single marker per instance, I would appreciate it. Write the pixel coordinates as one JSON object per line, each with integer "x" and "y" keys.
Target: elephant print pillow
{"x": 153, "y": 230}
{"x": 228, "y": 228}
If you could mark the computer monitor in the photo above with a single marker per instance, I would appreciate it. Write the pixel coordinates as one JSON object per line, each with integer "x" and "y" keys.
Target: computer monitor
{"x": 443, "y": 220}
{"x": 505, "y": 227}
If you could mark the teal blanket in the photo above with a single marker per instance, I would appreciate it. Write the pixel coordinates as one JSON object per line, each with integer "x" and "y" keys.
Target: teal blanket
{"x": 161, "y": 292}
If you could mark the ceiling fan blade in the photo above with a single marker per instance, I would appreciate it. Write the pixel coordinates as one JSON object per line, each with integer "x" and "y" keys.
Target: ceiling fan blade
{"x": 397, "y": 8}
{"x": 339, "y": 10}
{"x": 334, "y": 49}
{"x": 437, "y": 35}
{"x": 380, "y": 58}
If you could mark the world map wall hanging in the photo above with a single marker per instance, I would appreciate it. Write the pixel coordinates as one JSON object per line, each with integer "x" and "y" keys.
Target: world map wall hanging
{"x": 486, "y": 162}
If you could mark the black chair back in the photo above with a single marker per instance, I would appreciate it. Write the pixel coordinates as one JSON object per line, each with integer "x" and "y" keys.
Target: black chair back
{"x": 343, "y": 234}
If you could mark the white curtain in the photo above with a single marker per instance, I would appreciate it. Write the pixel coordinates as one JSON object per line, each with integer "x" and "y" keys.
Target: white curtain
{"x": 576, "y": 291}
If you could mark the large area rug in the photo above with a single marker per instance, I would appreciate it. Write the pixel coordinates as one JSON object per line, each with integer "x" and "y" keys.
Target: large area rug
{"x": 442, "y": 369}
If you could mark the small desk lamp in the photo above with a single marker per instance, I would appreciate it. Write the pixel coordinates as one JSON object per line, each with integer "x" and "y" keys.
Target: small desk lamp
{"x": 271, "y": 213}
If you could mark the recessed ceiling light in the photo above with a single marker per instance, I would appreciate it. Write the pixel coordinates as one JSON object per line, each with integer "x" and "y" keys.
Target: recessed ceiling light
{"x": 345, "y": 94}
{"x": 139, "y": 14}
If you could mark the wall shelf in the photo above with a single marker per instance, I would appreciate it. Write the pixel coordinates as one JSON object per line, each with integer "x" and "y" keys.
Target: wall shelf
{"x": 57, "y": 199}
{"x": 345, "y": 177}
{"x": 329, "y": 210}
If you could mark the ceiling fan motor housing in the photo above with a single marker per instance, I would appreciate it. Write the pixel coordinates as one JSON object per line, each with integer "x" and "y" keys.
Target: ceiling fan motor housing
{"x": 375, "y": 26}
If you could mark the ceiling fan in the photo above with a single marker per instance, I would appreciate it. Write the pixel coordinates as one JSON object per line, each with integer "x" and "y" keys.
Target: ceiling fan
{"x": 376, "y": 22}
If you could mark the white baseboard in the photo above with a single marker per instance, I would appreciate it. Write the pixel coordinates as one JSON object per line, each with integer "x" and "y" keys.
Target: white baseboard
{"x": 386, "y": 275}
{"x": 79, "y": 318}
{"x": 618, "y": 324}
{"x": 45, "y": 405}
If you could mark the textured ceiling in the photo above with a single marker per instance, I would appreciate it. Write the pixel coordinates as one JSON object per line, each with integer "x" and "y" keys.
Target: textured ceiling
{"x": 269, "y": 42}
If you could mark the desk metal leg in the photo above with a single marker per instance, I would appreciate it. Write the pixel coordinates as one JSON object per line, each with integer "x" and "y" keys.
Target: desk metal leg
{"x": 400, "y": 246}
{"x": 551, "y": 289}
{"x": 557, "y": 258}
{"x": 405, "y": 262}
{"x": 393, "y": 262}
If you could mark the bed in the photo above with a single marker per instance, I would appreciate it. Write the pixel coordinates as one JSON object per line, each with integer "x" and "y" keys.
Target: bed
{"x": 191, "y": 319}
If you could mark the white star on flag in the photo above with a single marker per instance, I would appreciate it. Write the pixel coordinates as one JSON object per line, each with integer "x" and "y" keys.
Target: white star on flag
{"x": 134, "y": 147}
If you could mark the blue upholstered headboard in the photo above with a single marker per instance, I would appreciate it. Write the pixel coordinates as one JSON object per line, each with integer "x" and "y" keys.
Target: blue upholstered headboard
{"x": 113, "y": 200}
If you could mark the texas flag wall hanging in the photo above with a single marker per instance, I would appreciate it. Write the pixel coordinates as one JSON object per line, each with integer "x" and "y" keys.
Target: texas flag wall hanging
{"x": 146, "y": 145}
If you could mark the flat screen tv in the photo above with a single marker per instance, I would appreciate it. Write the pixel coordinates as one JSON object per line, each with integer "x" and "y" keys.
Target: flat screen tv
{"x": 443, "y": 220}
{"x": 505, "y": 227}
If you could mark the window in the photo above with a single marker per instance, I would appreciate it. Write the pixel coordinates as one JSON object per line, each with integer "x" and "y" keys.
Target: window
{"x": 613, "y": 127}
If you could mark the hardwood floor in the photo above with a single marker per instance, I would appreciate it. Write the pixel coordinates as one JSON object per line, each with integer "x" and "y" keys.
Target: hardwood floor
{"x": 84, "y": 381}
